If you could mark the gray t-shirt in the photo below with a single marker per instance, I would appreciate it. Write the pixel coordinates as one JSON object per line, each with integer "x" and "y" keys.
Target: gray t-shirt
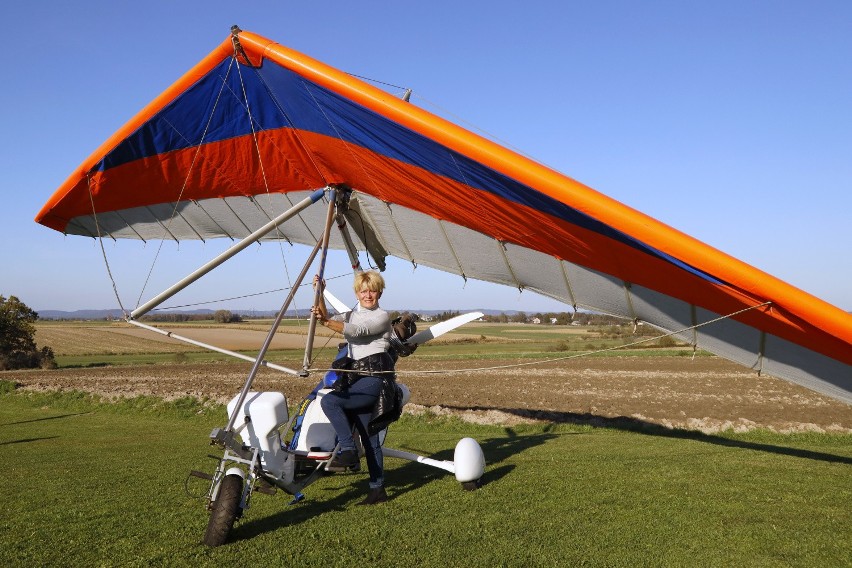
{"x": 367, "y": 331}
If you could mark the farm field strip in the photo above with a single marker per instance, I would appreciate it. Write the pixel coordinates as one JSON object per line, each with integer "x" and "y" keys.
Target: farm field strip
{"x": 476, "y": 379}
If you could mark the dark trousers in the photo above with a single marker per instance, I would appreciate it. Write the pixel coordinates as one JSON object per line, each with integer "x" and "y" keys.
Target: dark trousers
{"x": 355, "y": 405}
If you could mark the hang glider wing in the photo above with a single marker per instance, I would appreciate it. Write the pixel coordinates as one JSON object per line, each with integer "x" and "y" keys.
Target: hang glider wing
{"x": 250, "y": 131}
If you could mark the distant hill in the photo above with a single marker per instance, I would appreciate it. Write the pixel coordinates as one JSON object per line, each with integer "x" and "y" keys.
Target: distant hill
{"x": 100, "y": 314}
{"x": 116, "y": 313}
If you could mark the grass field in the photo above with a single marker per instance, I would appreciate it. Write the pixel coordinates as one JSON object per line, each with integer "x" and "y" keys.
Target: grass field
{"x": 91, "y": 484}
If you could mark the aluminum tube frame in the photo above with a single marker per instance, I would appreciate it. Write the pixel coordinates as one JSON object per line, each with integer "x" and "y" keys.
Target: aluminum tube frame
{"x": 347, "y": 241}
{"x": 312, "y": 324}
{"x": 212, "y": 347}
{"x": 443, "y": 464}
{"x": 269, "y": 336}
{"x": 233, "y": 250}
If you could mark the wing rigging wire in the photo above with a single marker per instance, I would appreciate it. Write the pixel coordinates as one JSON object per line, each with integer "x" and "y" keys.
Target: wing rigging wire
{"x": 262, "y": 210}
{"x": 101, "y": 243}
{"x": 259, "y": 155}
{"x": 486, "y": 134}
{"x": 185, "y": 179}
{"x": 577, "y": 355}
{"x": 240, "y": 297}
{"x": 366, "y": 171}
{"x": 406, "y": 91}
{"x": 175, "y": 209}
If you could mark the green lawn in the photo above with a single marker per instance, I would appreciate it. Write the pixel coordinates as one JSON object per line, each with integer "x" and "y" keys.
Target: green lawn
{"x": 95, "y": 484}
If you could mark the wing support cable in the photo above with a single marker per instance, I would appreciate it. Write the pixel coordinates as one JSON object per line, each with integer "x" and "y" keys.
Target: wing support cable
{"x": 229, "y": 253}
{"x": 101, "y": 243}
{"x": 237, "y": 47}
{"x": 586, "y": 354}
{"x": 189, "y": 171}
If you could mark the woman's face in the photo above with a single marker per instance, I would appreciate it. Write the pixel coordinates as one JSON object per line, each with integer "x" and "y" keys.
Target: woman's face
{"x": 368, "y": 299}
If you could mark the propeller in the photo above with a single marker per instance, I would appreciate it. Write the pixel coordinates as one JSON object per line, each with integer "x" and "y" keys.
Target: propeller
{"x": 423, "y": 336}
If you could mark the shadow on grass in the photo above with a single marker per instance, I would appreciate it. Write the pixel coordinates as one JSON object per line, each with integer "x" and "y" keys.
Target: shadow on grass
{"x": 656, "y": 430}
{"x": 47, "y": 418}
{"x": 27, "y": 440}
{"x": 630, "y": 424}
{"x": 412, "y": 476}
{"x": 409, "y": 477}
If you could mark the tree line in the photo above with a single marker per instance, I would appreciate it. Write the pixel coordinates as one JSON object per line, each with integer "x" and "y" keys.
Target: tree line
{"x": 18, "y": 348}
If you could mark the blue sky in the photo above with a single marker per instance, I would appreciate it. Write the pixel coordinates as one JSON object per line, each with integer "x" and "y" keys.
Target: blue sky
{"x": 731, "y": 121}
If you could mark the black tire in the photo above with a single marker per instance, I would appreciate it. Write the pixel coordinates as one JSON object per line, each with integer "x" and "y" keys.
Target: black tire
{"x": 472, "y": 485}
{"x": 226, "y": 509}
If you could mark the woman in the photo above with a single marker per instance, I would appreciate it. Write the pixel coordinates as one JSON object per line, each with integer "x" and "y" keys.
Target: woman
{"x": 367, "y": 330}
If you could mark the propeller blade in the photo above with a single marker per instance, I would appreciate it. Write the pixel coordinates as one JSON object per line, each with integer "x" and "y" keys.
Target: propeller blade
{"x": 336, "y": 303}
{"x": 442, "y": 328}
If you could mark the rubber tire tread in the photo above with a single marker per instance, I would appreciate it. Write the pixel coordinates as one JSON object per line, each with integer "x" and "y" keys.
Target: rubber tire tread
{"x": 226, "y": 509}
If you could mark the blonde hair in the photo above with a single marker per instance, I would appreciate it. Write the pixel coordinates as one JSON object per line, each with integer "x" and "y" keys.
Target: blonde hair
{"x": 371, "y": 279}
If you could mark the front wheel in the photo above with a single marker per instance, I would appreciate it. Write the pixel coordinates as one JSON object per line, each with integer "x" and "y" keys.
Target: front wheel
{"x": 226, "y": 509}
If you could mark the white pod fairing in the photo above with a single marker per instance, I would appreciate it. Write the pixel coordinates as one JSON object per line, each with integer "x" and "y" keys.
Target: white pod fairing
{"x": 469, "y": 460}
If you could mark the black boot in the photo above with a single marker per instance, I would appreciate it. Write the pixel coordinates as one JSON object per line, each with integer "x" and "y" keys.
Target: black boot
{"x": 376, "y": 495}
{"x": 346, "y": 458}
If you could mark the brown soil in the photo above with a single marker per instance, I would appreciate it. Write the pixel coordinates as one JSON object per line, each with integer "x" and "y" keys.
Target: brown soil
{"x": 706, "y": 394}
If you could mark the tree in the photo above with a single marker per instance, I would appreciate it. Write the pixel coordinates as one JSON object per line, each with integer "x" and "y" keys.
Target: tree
{"x": 225, "y": 316}
{"x": 520, "y": 317}
{"x": 18, "y": 348}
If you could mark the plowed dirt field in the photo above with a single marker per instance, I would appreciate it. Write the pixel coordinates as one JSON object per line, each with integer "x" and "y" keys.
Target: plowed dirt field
{"x": 706, "y": 394}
